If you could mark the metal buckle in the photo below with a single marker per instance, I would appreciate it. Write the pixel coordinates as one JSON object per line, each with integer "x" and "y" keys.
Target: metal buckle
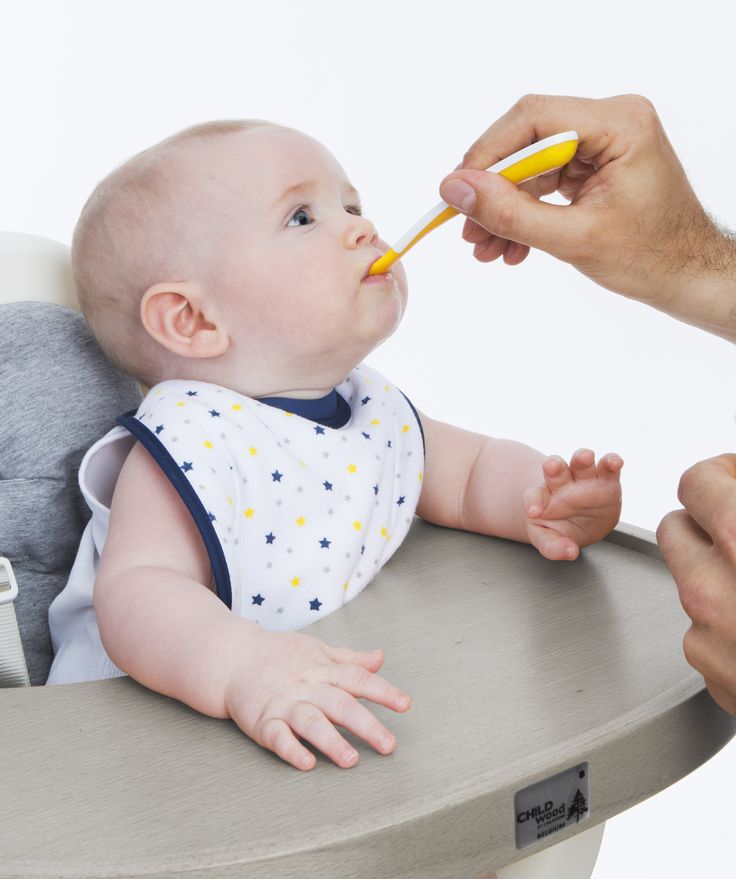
{"x": 8, "y": 585}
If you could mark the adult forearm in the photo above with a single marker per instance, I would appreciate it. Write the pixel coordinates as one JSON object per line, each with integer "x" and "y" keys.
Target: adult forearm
{"x": 698, "y": 284}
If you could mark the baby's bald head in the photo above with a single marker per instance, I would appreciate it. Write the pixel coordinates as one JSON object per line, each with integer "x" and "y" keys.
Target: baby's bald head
{"x": 149, "y": 221}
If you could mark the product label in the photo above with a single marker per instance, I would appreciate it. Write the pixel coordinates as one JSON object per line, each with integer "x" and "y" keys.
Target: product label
{"x": 551, "y": 805}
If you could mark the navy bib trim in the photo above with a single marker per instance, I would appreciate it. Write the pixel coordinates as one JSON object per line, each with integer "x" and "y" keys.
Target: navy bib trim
{"x": 419, "y": 420}
{"x": 186, "y": 492}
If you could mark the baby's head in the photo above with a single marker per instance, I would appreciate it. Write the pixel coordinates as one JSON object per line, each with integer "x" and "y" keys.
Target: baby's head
{"x": 235, "y": 253}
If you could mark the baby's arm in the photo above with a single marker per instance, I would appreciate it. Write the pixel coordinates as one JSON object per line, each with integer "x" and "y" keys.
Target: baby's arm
{"x": 162, "y": 625}
{"x": 506, "y": 489}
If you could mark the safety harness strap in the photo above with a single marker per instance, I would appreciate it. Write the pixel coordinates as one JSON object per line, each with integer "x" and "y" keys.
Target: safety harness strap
{"x": 13, "y": 670}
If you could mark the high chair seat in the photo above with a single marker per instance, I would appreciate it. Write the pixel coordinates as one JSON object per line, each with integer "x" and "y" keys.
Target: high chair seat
{"x": 547, "y": 697}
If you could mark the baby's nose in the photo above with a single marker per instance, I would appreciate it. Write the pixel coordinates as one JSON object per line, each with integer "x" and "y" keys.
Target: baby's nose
{"x": 361, "y": 231}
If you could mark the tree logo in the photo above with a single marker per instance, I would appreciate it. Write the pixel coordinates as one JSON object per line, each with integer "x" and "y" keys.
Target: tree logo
{"x": 578, "y": 807}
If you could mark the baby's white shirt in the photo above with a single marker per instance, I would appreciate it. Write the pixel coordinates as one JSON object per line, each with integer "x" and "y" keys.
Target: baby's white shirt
{"x": 296, "y": 517}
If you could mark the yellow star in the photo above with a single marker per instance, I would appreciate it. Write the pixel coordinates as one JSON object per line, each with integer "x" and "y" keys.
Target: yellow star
{"x": 421, "y": 476}
{"x": 357, "y": 525}
{"x": 375, "y": 421}
{"x": 288, "y": 414}
{"x": 405, "y": 428}
{"x": 295, "y": 582}
{"x": 345, "y": 586}
{"x": 387, "y": 387}
{"x": 253, "y": 450}
{"x": 384, "y": 533}
{"x": 249, "y": 513}
{"x": 352, "y": 468}
{"x": 207, "y": 444}
{"x": 301, "y": 520}
{"x": 230, "y": 501}
{"x": 182, "y": 403}
{"x": 237, "y": 407}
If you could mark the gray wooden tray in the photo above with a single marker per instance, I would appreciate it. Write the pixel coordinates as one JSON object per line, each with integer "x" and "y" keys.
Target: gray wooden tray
{"x": 519, "y": 668}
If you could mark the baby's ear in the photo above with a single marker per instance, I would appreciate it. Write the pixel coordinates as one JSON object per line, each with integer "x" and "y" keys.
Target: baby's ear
{"x": 181, "y": 318}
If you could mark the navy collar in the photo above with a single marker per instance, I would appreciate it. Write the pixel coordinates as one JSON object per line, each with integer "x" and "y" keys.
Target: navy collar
{"x": 330, "y": 411}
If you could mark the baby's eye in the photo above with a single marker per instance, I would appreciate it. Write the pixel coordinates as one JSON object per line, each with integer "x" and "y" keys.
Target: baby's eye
{"x": 354, "y": 209}
{"x": 300, "y": 217}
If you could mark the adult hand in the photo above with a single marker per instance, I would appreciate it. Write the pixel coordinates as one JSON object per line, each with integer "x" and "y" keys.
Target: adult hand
{"x": 633, "y": 225}
{"x": 699, "y": 546}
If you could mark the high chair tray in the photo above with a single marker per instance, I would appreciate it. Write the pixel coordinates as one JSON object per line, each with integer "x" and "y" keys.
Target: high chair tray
{"x": 519, "y": 669}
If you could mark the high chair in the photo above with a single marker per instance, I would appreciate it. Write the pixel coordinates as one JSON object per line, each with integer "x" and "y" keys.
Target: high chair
{"x": 547, "y": 697}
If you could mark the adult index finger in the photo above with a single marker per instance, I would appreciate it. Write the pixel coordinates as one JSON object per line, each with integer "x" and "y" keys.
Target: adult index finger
{"x": 534, "y": 117}
{"x": 707, "y": 490}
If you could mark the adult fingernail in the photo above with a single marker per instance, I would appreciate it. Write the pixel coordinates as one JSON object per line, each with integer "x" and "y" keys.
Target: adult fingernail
{"x": 459, "y": 194}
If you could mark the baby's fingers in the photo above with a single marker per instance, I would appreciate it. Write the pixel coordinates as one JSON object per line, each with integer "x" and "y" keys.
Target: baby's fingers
{"x": 535, "y": 499}
{"x": 364, "y": 685}
{"x": 370, "y": 659}
{"x": 609, "y": 466}
{"x": 276, "y": 735}
{"x": 309, "y": 722}
{"x": 553, "y": 545}
{"x": 347, "y": 712}
{"x": 582, "y": 464}
{"x": 556, "y": 472}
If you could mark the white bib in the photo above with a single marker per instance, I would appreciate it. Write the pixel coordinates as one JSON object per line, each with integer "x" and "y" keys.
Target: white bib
{"x": 297, "y": 518}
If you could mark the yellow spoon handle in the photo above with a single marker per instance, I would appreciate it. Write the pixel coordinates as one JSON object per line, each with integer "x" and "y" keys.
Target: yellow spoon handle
{"x": 539, "y": 158}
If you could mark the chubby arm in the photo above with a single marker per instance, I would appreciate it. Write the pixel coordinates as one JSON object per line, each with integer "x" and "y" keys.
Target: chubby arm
{"x": 158, "y": 620}
{"x": 474, "y": 482}
{"x": 506, "y": 489}
{"x": 161, "y": 624}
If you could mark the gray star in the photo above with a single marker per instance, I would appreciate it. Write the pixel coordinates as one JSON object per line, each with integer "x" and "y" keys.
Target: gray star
{"x": 325, "y": 454}
{"x": 280, "y": 610}
{"x": 326, "y": 570}
{"x": 289, "y": 550}
{"x": 269, "y": 564}
{"x": 348, "y": 498}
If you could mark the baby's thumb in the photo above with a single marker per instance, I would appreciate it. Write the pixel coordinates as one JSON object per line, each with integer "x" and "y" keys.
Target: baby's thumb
{"x": 497, "y": 205}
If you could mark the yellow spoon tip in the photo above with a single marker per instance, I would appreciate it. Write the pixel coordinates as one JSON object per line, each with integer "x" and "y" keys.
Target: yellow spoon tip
{"x": 384, "y": 263}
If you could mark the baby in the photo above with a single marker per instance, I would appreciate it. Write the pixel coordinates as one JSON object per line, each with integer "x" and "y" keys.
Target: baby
{"x": 268, "y": 474}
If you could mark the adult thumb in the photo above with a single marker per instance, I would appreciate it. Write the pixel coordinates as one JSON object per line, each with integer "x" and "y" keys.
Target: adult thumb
{"x": 496, "y": 204}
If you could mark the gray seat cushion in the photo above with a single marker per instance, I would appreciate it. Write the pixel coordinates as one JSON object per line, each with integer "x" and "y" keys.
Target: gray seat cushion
{"x": 59, "y": 395}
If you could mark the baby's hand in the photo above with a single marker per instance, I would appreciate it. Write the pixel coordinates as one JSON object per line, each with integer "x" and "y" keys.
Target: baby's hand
{"x": 293, "y": 686}
{"x": 575, "y": 506}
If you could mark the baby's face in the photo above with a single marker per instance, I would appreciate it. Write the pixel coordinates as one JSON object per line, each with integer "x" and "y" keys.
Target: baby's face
{"x": 294, "y": 253}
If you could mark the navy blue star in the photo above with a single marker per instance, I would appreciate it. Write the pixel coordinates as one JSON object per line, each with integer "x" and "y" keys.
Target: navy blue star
{"x": 400, "y": 501}
{"x": 375, "y": 489}
{"x": 270, "y": 537}
{"x": 258, "y": 599}
{"x": 318, "y": 429}
{"x": 159, "y": 428}
{"x": 327, "y": 485}
{"x": 315, "y": 604}
{"x": 388, "y": 444}
{"x": 214, "y": 413}
{"x": 325, "y": 543}
{"x": 366, "y": 435}
{"x": 365, "y": 400}
{"x": 212, "y": 517}
{"x": 187, "y": 466}
{"x": 276, "y": 476}
{"x": 191, "y": 393}
{"x": 362, "y": 549}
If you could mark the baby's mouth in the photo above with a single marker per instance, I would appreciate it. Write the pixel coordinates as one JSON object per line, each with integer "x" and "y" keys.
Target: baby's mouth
{"x": 383, "y": 278}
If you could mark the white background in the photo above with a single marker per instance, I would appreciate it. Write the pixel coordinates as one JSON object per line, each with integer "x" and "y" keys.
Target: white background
{"x": 398, "y": 91}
